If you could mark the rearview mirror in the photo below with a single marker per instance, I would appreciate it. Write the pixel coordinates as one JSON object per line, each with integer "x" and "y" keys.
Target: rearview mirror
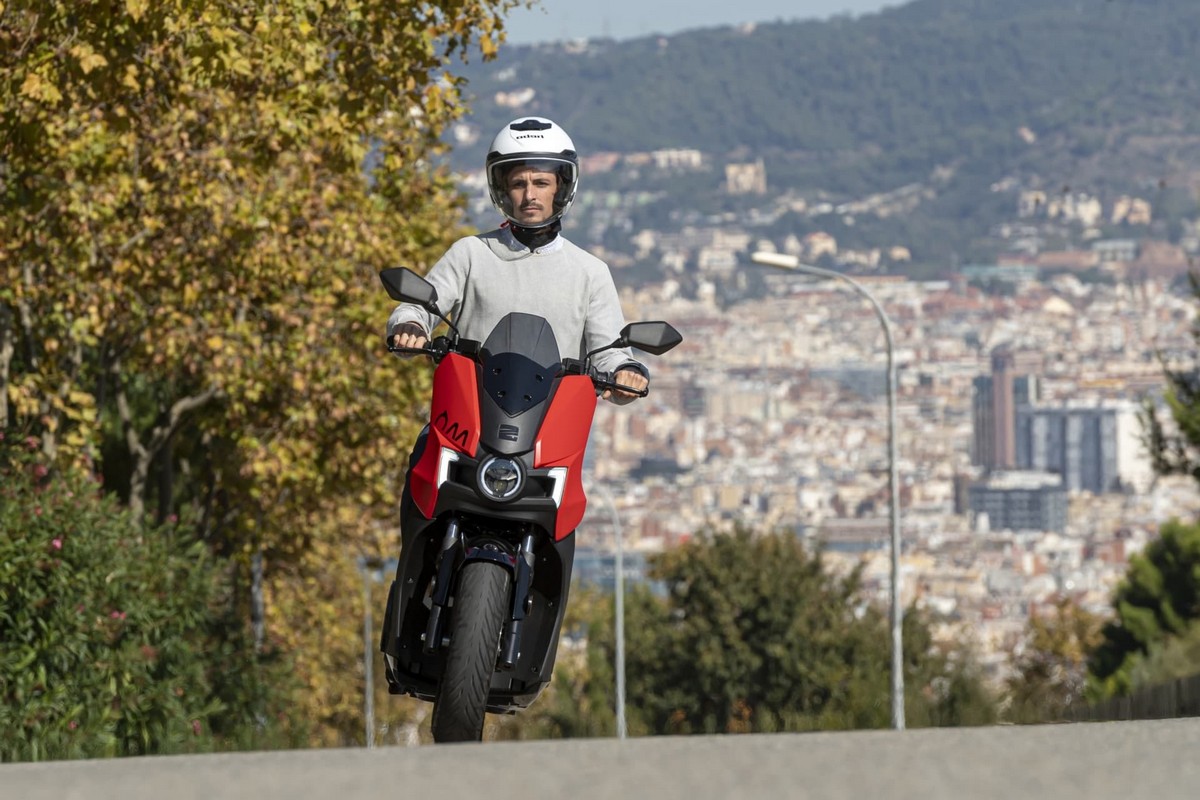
{"x": 405, "y": 286}
{"x": 655, "y": 338}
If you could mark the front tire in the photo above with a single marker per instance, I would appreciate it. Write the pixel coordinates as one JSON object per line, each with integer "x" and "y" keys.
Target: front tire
{"x": 481, "y": 605}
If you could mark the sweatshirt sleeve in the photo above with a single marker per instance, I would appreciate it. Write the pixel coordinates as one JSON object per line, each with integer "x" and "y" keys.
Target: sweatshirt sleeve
{"x": 604, "y": 322}
{"x": 449, "y": 277}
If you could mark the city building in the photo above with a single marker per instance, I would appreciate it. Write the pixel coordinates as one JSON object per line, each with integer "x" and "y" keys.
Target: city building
{"x": 994, "y": 409}
{"x": 1019, "y": 501}
{"x": 1095, "y": 448}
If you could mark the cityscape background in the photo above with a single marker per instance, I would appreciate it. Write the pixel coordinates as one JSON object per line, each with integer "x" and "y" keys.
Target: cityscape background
{"x": 1025, "y": 360}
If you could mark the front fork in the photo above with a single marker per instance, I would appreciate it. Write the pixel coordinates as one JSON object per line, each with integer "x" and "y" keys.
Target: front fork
{"x": 449, "y": 561}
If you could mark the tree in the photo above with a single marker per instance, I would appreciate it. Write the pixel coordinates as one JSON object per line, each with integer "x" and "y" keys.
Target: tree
{"x": 194, "y": 200}
{"x": 1168, "y": 660}
{"x": 1051, "y": 667}
{"x": 756, "y": 635}
{"x": 1158, "y": 600}
{"x": 1175, "y": 448}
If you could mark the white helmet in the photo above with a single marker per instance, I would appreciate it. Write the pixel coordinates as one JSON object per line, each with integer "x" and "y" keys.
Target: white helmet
{"x": 537, "y": 142}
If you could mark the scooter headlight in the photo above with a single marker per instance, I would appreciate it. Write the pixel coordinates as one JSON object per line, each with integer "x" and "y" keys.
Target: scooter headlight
{"x": 501, "y": 478}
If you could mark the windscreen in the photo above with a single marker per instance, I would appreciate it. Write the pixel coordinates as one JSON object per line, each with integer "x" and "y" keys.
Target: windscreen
{"x": 520, "y": 360}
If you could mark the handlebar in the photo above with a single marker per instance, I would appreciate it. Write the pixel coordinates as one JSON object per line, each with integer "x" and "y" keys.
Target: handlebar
{"x": 439, "y": 347}
{"x": 604, "y": 381}
{"x": 436, "y": 348}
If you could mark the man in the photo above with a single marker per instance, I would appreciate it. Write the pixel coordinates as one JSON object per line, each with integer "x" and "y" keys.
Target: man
{"x": 526, "y": 265}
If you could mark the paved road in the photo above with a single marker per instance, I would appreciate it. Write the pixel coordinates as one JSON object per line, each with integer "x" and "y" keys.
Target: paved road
{"x": 1097, "y": 761}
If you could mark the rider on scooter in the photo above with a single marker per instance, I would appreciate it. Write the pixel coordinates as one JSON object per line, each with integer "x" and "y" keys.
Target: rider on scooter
{"x": 527, "y": 264}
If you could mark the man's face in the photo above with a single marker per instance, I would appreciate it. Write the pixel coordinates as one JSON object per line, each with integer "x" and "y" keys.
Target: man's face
{"x": 531, "y": 192}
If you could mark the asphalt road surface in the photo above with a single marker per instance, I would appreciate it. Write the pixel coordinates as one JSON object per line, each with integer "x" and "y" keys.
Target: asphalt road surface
{"x": 1099, "y": 761}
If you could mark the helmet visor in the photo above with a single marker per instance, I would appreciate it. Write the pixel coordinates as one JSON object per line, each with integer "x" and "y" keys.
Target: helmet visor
{"x": 507, "y": 174}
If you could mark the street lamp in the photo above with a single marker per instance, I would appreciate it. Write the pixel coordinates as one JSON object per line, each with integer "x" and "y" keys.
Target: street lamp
{"x": 619, "y": 611}
{"x": 372, "y": 569}
{"x": 792, "y": 263}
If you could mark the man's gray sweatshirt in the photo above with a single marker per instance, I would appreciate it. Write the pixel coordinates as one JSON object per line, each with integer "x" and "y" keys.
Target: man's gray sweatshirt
{"x": 482, "y": 278}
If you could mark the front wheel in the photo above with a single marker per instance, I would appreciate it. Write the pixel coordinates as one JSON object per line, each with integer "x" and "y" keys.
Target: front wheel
{"x": 480, "y": 607}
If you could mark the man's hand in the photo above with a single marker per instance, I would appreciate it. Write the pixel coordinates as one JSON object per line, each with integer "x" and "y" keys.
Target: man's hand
{"x": 626, "y": 377}
{"x": 410, "y": 334}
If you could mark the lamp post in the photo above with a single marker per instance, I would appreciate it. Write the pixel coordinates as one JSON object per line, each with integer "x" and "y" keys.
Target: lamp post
{"x": 372, "y": 569}
{"x": 619, "y": 601}
{"x": 792, "y": 263}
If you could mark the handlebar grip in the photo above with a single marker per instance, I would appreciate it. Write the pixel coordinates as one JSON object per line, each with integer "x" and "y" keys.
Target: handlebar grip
{"x": 630, "y": 390}
{"x": 415, "y": 351}
{"x": 604, "y": 380}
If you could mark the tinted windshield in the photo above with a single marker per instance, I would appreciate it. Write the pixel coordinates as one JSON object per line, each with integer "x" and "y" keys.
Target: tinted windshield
{"x": 520, "y": 361}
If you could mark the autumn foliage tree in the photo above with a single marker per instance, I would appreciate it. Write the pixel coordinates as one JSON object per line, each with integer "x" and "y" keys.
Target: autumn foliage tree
{"x": 195, "y": 196}
{"x": 1050, "y": 670}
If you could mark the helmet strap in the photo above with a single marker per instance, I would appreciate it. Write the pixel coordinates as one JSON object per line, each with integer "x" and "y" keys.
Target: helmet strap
{"x": 533, "y": 238}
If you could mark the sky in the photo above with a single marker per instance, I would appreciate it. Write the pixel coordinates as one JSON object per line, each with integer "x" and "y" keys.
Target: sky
{"x": 559, "y": 20}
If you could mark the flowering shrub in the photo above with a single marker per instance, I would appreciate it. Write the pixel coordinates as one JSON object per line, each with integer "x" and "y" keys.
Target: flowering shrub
{"x": 110, "y": 638}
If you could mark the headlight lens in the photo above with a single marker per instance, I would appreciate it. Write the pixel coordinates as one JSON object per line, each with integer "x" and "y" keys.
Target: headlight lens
{"x": 501, "y": 478}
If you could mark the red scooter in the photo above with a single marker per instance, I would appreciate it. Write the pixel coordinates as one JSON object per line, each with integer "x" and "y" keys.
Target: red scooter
{"x": 494, "y": 495}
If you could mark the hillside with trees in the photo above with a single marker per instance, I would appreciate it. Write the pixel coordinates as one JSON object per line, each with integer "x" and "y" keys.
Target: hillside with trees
{"x": 957, "y": 96}
{"x": 899, "y": 92}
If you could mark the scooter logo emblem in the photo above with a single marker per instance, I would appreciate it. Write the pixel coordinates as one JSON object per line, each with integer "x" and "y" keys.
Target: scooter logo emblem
{"x": 450, "y": 429}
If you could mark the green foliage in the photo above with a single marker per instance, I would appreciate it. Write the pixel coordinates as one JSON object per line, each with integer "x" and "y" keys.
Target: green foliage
{"x": 756, "y": 635}
{"x": 1153, "y": 637}
{"x": 1158, "y": 600}
{"x": 114, "y": 640}
{"x": 1168, "y": 660}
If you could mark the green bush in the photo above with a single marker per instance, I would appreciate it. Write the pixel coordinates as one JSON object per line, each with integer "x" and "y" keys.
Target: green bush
{"x": 112, "y": 638}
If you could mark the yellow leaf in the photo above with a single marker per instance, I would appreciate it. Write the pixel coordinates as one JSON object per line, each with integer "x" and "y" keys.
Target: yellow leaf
{"x": 136, "y": 8}
{"x": 215, "y": 343}
{"x": 38, "y": 88}
{"x": 89, "y": 59}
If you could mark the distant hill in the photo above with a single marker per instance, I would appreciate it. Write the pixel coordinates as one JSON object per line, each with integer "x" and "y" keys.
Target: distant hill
{"x": 909, "y": 87}
{"x": 1097, "y": 93}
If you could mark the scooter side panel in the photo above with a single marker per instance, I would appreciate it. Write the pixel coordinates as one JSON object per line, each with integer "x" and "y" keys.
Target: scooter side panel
{"x": 453, "y": 422}
{"x": 561, "y": 442}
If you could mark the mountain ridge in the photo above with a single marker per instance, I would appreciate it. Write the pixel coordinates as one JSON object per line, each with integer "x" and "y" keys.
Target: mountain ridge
{"x": 915, "y": 78}
{"x": 1101, "y": 96}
